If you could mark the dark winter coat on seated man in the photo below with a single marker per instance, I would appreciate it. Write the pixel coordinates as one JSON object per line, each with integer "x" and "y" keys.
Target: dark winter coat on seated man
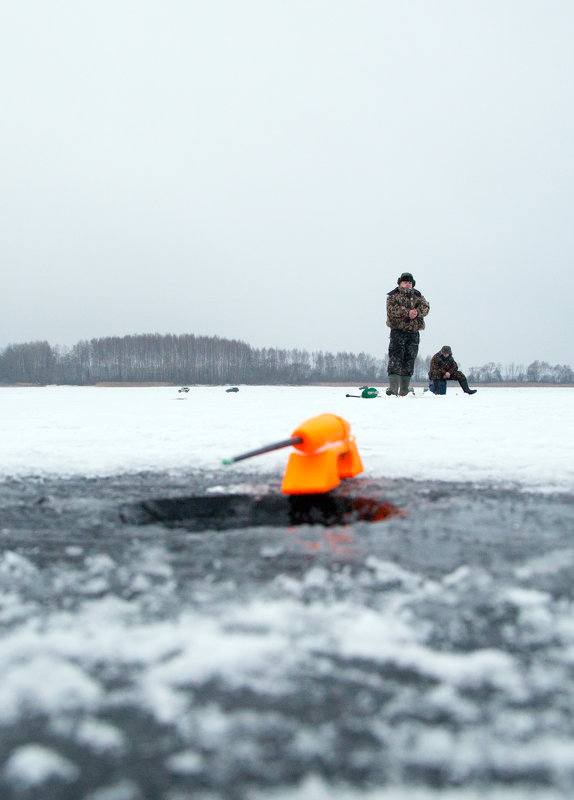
{"x": 444, "y": 368}
{"x": 406, "y": 310}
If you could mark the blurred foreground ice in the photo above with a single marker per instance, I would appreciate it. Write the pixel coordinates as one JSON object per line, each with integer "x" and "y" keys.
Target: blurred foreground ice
{"x": 425, "y": 656}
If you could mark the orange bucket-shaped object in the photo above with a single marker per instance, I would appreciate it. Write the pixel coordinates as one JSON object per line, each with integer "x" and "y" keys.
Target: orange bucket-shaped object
{"x": 326, "y": 454}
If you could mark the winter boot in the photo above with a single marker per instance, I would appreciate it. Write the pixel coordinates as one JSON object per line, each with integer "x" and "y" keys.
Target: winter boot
{"x": 393, "y": 387}
{"x": 464, "y": 385}
{"x": 404, "y": 384}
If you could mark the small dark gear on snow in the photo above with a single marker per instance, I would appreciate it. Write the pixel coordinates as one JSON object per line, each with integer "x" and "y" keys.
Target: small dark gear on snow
{"x": 233, "y": 389}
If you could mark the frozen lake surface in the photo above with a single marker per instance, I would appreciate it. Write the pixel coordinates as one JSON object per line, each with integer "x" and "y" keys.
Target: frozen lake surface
{"x": 428, "y": 655}
{"x": 517, "y": 436}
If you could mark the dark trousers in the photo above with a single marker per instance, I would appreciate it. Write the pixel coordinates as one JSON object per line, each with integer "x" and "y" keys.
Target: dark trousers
{"x": 403, "y": 350}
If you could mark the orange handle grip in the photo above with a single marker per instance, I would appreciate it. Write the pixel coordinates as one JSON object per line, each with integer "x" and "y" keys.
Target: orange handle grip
{"x": 321, "y": 431}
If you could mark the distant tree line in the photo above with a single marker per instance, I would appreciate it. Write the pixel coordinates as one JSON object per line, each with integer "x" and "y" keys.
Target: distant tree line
{"x": 211, "y": 360}
{"x": 537, "y": 372}
{"x": 185, "y": 359}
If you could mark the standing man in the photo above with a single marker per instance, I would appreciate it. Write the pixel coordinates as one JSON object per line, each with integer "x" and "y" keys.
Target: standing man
{"x": 406, "y": 310}
{"x": 444, "y": 368}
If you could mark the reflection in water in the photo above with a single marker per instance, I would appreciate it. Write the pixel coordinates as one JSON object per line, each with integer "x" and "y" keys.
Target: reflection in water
{"x": 331, "y": 509}
{"x": 336, "y": 514}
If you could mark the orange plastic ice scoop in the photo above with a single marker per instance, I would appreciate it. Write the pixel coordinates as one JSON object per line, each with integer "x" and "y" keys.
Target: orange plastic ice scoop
{"x": 327, "y": 453}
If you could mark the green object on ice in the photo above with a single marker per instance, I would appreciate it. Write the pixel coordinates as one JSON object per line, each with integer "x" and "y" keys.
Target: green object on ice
{"x": 369, "y": 392}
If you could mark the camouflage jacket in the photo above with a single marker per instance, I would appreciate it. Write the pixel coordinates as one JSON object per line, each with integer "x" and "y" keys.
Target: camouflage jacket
{"x": 440, "y": 364}
{"x": 399, "y": 302}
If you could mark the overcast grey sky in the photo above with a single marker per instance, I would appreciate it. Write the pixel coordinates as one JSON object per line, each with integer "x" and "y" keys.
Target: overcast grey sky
{"x": 265, "y": 169}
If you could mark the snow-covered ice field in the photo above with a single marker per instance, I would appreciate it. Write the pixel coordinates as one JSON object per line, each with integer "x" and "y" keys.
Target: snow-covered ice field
{"x": 508, "y": 435}
{"x": 429, "y": 656}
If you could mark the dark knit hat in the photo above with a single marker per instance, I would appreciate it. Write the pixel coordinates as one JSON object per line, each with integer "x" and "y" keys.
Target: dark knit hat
{"x": 445, "y": 350}
{"x": 406, "y": 276}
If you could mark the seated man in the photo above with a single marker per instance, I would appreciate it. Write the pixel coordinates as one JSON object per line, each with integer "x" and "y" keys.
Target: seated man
{"x": 444, "y": 368}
